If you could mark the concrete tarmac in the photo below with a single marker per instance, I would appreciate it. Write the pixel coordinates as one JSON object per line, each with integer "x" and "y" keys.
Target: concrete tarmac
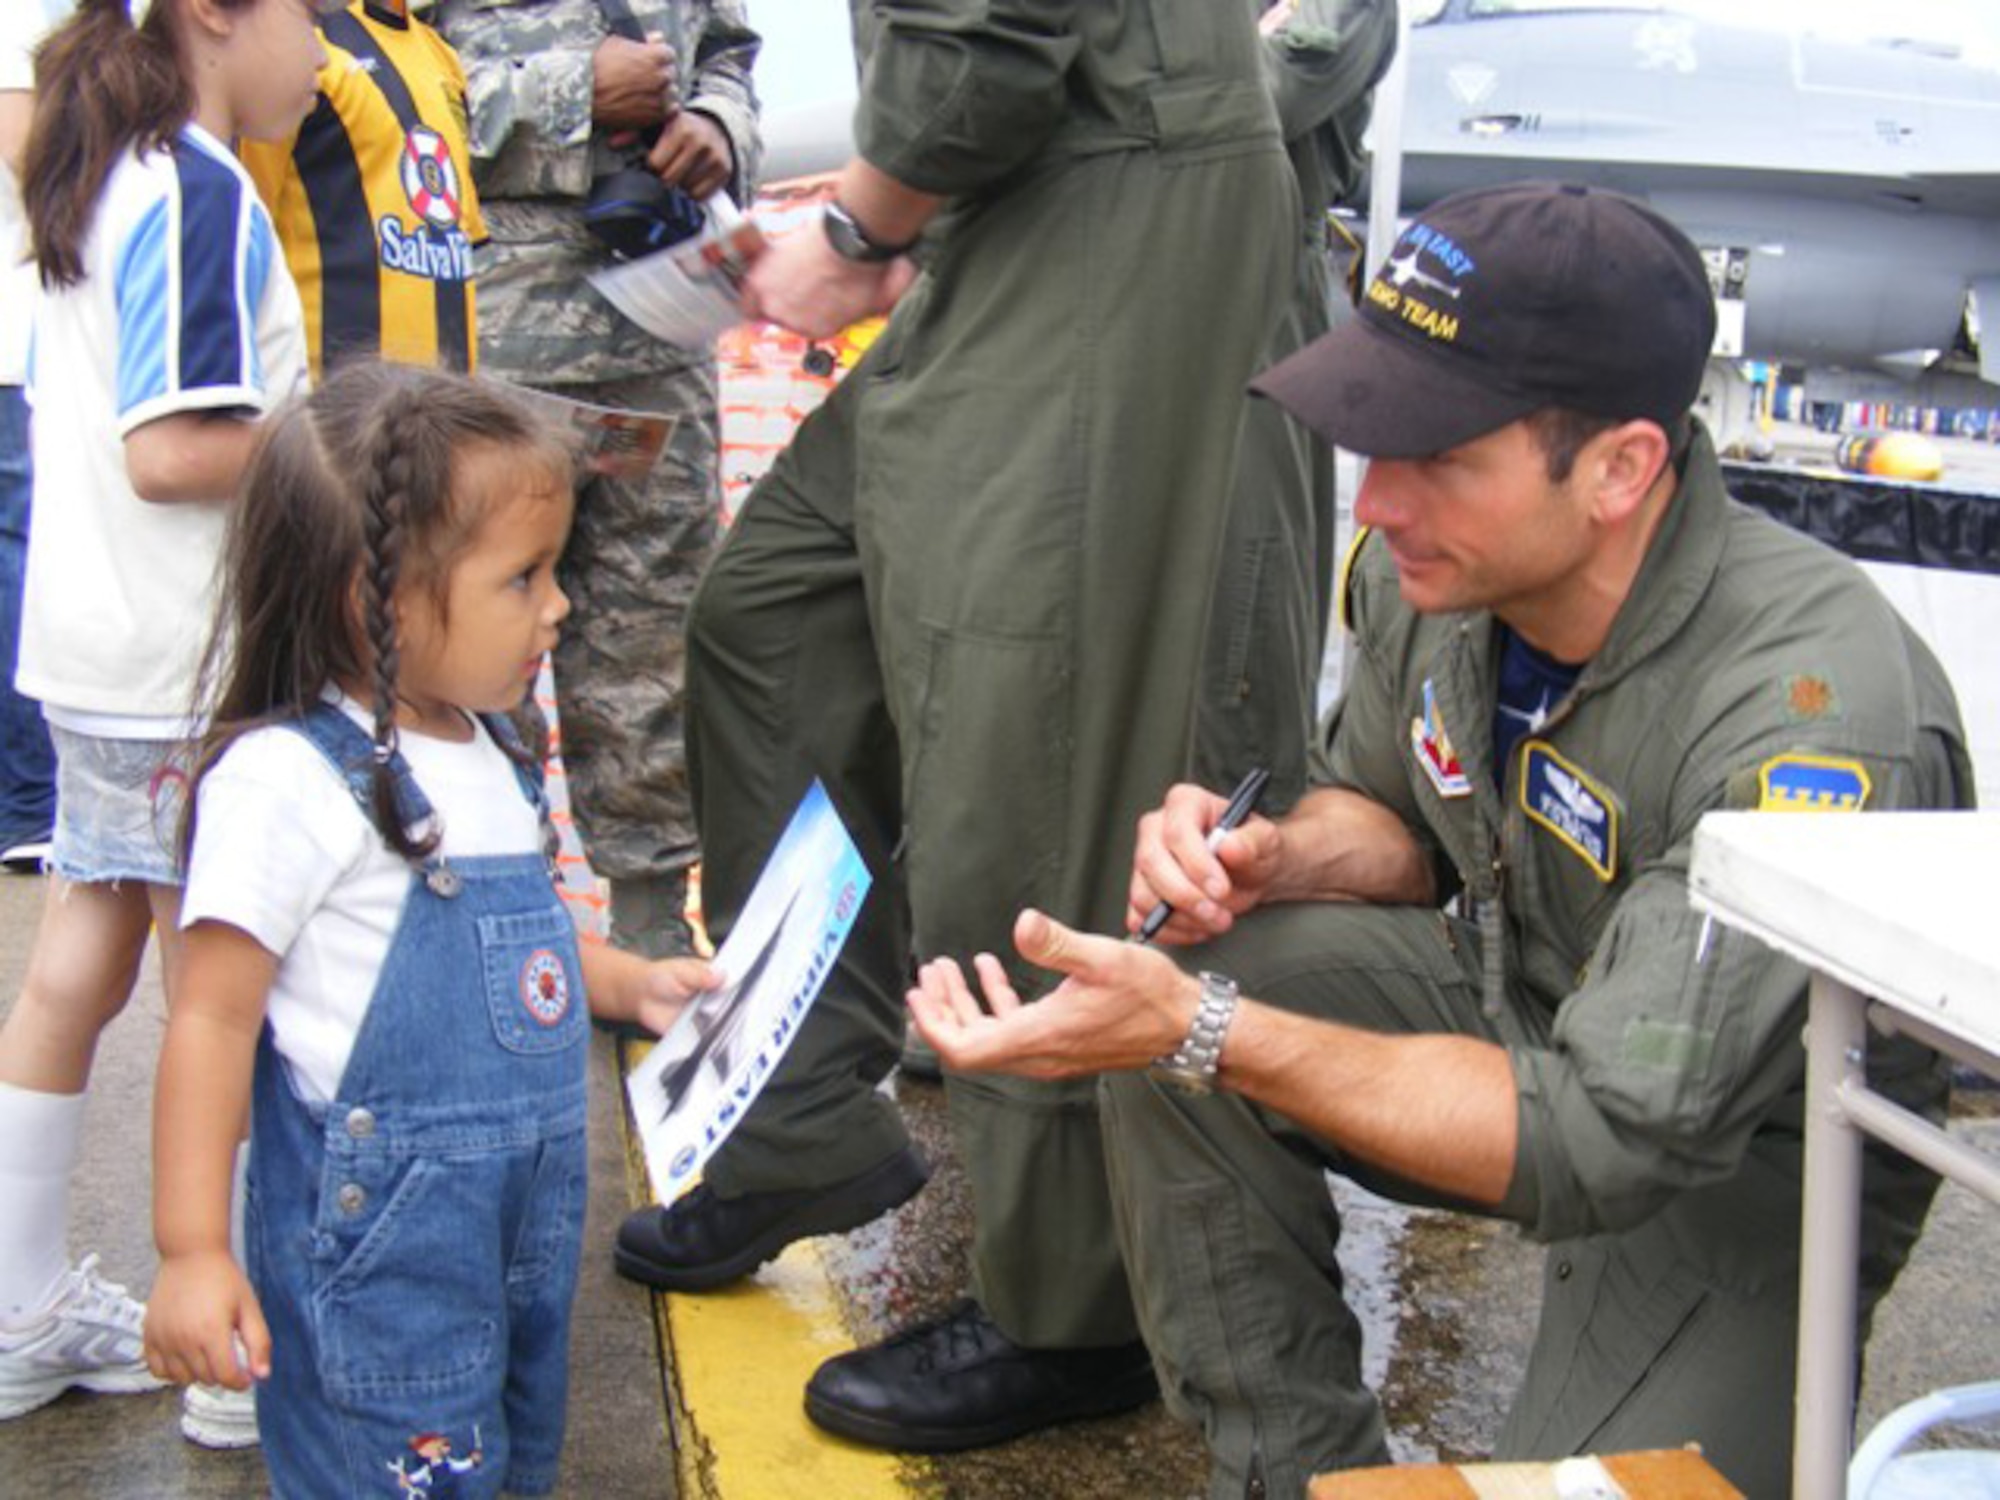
{"x": 1448, "y": 1303}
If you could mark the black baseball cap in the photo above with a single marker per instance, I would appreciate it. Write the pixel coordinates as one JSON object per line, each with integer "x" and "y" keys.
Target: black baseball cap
{"x": 1501, "y": 301}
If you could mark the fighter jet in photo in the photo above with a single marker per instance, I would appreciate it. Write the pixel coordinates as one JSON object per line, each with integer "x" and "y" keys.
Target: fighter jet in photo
{"x": 1838, "y": 162}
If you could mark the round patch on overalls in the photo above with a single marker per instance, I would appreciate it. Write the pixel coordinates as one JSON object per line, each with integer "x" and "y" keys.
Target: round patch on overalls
{"x": 545, "y": 987}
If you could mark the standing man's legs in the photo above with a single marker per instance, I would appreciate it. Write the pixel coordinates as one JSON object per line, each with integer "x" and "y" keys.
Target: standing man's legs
{"x": 784, "y": 686}
{"x": 27, "y": 760}
{"x": 1041, "y": 548}
{"x": 634, "y": 556}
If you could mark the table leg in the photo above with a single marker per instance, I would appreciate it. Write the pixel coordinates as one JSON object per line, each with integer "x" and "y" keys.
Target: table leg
{"x": 1836, "y": 1049}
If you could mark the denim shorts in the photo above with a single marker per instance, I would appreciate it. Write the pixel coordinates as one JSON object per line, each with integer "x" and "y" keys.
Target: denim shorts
{"x": 118, "y": 808}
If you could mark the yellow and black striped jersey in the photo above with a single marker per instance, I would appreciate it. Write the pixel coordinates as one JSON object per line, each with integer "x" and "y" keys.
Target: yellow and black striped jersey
{"x": 373, "y": 198}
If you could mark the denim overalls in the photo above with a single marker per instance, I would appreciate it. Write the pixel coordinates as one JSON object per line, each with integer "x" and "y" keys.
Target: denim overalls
{"x": 415, "y": 1242}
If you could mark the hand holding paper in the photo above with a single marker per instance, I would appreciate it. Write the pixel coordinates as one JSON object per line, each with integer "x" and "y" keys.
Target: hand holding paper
{"x": 688, "y": 293}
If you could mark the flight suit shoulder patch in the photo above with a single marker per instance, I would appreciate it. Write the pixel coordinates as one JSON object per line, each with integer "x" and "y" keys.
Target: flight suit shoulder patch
{"x": 1796, "y": 782}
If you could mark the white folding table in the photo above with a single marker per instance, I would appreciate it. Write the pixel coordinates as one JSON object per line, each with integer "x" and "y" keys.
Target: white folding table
{"x": 1898, "y": 917}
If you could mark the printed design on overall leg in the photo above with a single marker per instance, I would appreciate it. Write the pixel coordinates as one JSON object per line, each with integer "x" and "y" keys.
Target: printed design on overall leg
{"x": 433, "y": 1464}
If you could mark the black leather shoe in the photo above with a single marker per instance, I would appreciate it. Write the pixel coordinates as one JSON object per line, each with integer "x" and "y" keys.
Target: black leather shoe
{"x": 700, "y": 1241}
{"x": 962, "y": 1383}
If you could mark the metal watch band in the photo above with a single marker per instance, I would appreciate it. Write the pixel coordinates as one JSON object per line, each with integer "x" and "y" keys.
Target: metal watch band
{"x": 850, "y": 241}
{"x": 1195, "y": 1063}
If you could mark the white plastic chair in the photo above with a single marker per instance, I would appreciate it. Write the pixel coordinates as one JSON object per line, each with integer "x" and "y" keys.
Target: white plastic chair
{"x": 1880, "y": 1471}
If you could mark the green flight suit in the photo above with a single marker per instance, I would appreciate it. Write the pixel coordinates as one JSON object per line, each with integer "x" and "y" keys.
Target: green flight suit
{"x": 1273, "y": 595}
{"x": 1657, "y": 1058}
{"x": 971, "y": 595}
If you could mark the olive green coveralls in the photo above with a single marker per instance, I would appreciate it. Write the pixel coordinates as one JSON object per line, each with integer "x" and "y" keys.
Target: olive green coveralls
{"x": 1273, "y": 597}
{"x": 1658, "y": 1059}
{"x": 970, "y": 597}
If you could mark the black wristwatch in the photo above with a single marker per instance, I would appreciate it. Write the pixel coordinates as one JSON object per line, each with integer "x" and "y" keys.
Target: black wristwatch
{"x": 851, "y": 242}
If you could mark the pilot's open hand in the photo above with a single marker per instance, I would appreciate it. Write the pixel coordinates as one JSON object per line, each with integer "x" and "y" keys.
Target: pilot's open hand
{"x": 800, "y": 284}
{"x": 692, "y": 153}
{"x": 1119, "y": 1007}
{"x": 1207, "y": 888}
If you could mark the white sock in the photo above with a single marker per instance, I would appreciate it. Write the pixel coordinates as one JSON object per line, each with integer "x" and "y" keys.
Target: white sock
{"x": 41, "y": 1136}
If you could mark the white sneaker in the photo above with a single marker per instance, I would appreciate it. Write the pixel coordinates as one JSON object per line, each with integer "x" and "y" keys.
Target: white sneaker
{"x": 214, "y": 1416}
{"x": 89, "y": 1336}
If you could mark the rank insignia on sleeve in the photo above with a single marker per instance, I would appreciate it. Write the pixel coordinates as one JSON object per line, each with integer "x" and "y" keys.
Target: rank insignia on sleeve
{"x": 1808, "y": 696}
{"x": 1432, "y": 748}
{"x": 1812, "y": 783}
{"x": 1565, "y": 801}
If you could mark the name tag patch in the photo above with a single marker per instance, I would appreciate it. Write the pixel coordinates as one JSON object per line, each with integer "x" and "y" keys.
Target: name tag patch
{"x": 1812, "y": 783}
{"x": 1566, "y": 802}
{"x": 1432, "y": 748}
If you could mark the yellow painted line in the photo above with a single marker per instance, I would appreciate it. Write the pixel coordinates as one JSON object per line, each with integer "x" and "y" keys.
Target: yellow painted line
{"x": 739, "y": 1362}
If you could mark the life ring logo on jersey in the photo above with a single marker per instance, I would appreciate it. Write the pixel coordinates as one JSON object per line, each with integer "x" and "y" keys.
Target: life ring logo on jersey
{"x": 1432, "y": 748}
{"x": 430, "y": 180}
{"x": 1812, "y": 783}
{"x": 1565, "y": 801}
{"x": 435, "y": 248}
{"x": 545, "y": 987}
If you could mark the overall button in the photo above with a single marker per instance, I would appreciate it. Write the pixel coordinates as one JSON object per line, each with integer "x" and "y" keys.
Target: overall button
{"x": 352, "y": 1198}
{"x": 360, "y": 1123}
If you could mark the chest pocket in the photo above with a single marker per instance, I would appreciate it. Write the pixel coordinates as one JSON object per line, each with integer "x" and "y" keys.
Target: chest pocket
{"x": 533, "y": 980}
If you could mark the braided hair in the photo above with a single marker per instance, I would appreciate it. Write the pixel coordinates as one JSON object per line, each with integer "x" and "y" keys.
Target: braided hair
{"x": 387, "y": 485}
{"x": 353, "y": 498}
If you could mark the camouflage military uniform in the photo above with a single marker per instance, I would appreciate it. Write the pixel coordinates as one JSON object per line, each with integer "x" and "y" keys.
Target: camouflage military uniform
{"x": 637, "y": 549}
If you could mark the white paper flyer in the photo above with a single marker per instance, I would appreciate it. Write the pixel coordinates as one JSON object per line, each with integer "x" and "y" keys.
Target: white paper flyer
{"x": 688, "y": 294}
{"x": 703, "y": 1075}
{"x": 609, "y": 440}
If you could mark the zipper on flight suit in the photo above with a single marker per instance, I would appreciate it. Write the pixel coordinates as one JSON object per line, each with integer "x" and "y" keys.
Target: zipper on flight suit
{"x": 1254, "y": 1487}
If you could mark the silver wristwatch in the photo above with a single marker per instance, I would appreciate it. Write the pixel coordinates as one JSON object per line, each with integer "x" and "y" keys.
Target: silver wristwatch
{"x": 1193, "y": 1065}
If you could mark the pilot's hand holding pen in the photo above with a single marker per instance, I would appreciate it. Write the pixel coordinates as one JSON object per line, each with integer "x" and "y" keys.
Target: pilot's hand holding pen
{"x": 1201, "y": 862}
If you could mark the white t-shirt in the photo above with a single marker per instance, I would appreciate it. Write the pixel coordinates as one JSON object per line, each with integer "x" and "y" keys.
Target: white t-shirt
{"x": 283, "y": 852}
{"x": 185, "y": 306}
{"x": 23, "y": 23}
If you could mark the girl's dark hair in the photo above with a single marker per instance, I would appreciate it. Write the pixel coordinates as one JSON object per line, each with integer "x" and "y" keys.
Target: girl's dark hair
{"x": 102, "y": 85}
{"x": 355, "y": 492}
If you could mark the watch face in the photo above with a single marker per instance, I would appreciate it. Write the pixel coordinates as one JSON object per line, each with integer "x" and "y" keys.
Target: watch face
{"x": 847, "y": 239}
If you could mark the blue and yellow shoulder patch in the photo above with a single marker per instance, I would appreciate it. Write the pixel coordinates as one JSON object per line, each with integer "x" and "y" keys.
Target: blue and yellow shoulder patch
{"x": 1812, "y": 783}
{"x": 1563, "y": 799}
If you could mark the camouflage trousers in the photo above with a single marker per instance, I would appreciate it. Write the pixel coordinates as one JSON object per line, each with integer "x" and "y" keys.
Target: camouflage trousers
{"x": 634, "y": 557}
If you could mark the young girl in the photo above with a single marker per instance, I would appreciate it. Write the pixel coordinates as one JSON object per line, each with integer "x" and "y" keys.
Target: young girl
{"x": 168, "y": 323}
{"x": 377, "y": 963}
